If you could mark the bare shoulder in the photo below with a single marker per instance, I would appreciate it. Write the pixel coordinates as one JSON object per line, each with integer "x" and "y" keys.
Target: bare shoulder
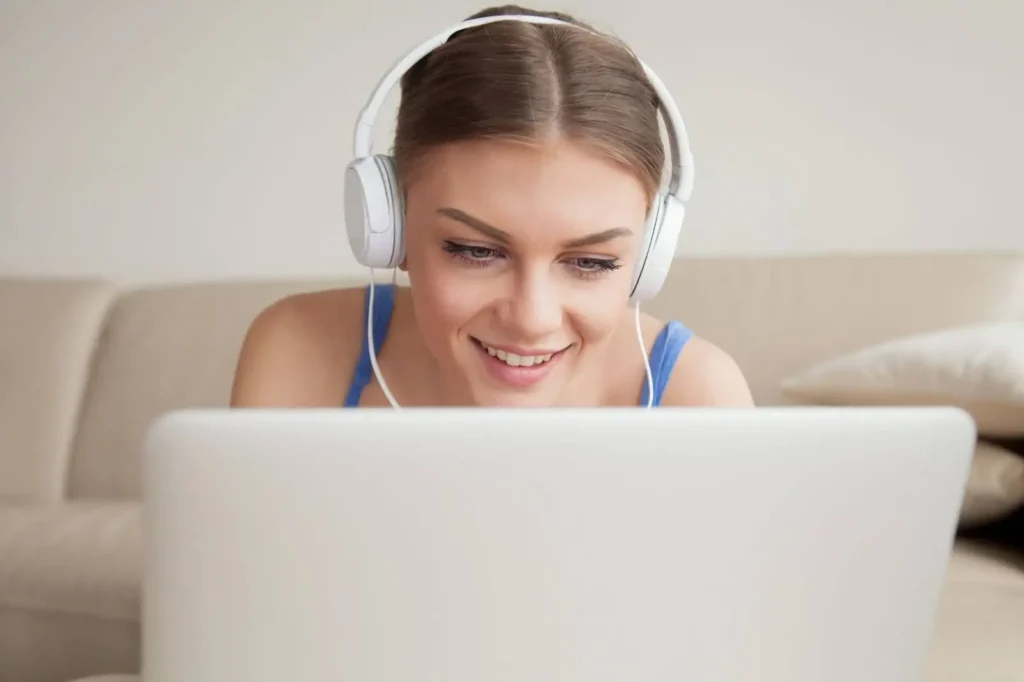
{"x": 299, "y": 351}
{"x": 705, "y": 376}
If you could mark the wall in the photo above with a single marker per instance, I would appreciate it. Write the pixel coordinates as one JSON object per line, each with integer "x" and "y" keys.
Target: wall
{"x": 178, "y": 140}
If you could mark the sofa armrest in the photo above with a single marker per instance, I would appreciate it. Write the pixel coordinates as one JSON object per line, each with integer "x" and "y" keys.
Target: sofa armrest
{"x": 48, "y": 333}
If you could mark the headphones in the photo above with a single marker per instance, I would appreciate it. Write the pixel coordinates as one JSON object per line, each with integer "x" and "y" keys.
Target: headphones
{"x": 375, "y": 207}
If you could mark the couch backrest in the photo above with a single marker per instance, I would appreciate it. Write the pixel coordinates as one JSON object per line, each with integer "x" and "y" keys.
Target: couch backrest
{"x": 176, "y": 346}
{"x": 48, "y": 332}
{"x": 164, "y": 348}
{"x": 778, "y": 315}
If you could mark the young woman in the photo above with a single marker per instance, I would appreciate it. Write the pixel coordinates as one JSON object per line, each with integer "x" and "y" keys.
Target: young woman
{"x": 528, "y": 155}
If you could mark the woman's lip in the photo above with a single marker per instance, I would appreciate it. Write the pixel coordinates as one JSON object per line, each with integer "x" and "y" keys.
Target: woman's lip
{"x": 520, "y": 350}
{"x": 516, "y": 376}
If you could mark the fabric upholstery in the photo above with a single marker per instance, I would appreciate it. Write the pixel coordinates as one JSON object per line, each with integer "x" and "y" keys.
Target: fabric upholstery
{"x": 980, "y": 623}
{"x": 48, "y": 332}
{"x": 79, "y": 558}
{"x": 69, "y": 589}
{"x": 164, "y": 349}
{"x": 38, "y": 646}
{"x": 777, "y": 316}
{"x": 995, "y": 488}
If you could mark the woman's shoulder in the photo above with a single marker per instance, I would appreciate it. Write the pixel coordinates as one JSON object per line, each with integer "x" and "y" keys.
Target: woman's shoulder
{"x": 703, "y": 374}
{"x": 300, "y": 350}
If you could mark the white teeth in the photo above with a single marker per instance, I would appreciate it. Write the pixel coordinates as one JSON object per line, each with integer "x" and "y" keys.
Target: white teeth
{"x": 517, "y": 360}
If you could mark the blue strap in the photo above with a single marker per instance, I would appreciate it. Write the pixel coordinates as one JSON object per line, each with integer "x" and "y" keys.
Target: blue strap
{"x": 383, "y": 305}
{"x": 664, "y": 354}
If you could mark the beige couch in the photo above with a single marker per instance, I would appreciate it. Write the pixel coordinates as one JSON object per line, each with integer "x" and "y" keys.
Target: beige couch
{"x": 84, "y": 367}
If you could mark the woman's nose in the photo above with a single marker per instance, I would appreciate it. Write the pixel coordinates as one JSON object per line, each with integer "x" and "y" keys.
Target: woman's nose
{"x": 534, "y": 309}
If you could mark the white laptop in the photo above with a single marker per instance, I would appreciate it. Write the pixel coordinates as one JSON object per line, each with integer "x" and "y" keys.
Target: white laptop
{"x": 615, "y": 545}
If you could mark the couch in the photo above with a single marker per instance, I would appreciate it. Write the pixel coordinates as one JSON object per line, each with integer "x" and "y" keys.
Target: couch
{"x": 86, "y": 365}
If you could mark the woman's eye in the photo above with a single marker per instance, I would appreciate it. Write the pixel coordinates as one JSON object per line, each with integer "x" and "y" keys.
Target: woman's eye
{"x": 596, "y": 264}
{"x": 471, "y": 254}
{"x": 480, "y": 252}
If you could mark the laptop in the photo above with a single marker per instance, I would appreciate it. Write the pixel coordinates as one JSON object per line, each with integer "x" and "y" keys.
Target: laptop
{"x": 602, "y": 545}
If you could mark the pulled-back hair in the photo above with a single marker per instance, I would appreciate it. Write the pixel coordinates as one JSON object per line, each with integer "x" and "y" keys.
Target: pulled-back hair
{"x": 512, "y": 80}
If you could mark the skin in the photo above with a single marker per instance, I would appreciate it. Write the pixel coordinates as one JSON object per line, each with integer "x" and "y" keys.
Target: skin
{"x": 509, "y": 244}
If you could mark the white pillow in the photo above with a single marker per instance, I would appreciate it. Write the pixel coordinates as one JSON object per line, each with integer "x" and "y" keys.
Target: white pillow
{"x": 995, "y": 487}
{"x": 978, "y": 368}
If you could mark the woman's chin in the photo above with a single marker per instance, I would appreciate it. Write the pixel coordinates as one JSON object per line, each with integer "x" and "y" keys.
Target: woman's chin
{"x": 493, "y": 398}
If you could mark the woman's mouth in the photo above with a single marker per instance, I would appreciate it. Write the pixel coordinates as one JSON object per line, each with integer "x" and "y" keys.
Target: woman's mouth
{"x": 518, "y": 367}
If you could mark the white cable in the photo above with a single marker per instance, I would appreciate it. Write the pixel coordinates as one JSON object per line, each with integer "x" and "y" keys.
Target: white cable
{"x": 373, "y": 352}
{"x": 647, "y": 361}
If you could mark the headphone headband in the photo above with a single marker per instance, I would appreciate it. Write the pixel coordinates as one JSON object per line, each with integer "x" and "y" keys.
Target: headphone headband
{"x": 681, "y": 180}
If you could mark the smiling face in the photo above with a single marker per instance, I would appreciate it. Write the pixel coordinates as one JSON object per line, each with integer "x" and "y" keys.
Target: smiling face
{"x": 521, "y": 258}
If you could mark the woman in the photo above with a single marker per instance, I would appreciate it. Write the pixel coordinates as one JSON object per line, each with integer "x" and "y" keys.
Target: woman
{"x": 529, "y": 156}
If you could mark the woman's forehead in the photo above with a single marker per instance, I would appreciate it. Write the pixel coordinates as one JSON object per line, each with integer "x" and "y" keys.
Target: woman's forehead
{"x": 558, "y": 186}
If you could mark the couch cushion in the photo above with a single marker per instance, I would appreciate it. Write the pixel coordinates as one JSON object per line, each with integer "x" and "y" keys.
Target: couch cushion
{"x": 978, "y": 636}
{"x": 76, "y": 558}
{"x": 43, "y": 646}
{"x": 164, "y": 348}
{"x": 980, "y": 623}
{"x": 70, "y": 577}
{"x": 48, "y": 332}
{"x": 981, "y": 562}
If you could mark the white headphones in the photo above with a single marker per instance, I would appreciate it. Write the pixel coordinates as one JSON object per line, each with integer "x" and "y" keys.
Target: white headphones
{"x": 375, "y": 207}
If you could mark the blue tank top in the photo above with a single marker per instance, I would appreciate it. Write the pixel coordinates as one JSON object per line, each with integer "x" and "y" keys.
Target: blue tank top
{"x": 664, "y": 354}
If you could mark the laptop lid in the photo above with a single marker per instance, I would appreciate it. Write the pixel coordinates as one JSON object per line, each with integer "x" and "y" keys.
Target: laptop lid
{"x": 775, "y": 544}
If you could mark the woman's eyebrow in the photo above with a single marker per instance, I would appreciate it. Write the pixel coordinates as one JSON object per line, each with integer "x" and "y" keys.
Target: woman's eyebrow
{"x": 504, "y": 237}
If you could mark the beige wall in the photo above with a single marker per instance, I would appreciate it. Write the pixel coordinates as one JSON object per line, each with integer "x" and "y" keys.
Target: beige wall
{"x": 186, "y": 139}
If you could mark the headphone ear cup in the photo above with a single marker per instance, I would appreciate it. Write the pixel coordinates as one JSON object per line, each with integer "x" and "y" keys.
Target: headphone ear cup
{"x": 658, "y": 249}
{"x": 375, "y": 212}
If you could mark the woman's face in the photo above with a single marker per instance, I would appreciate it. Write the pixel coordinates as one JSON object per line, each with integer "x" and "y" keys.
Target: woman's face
{"x": 521, "y": 259}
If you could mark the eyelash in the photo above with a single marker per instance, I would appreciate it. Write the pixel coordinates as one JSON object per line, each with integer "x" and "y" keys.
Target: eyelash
{"x": 464, "y": 254}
